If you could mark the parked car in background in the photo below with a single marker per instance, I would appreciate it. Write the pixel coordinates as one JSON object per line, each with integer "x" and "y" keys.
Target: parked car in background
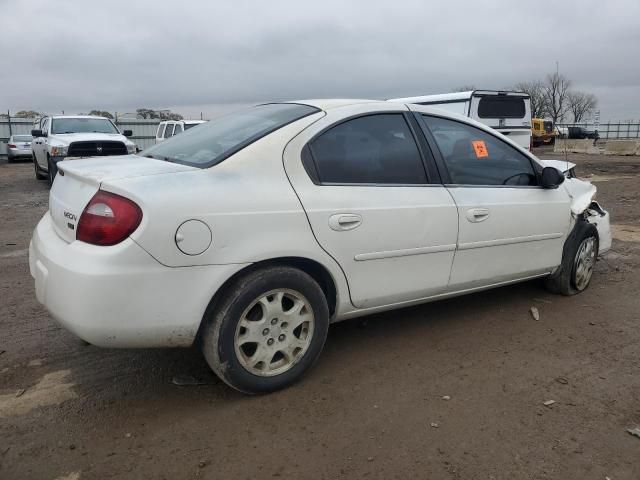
{"x": 169, "y": 128}
{"x": 582, "y": 133}
{"x": 505, "y": 111}
{"x": 63, "y": 136}
{"x": 255, "y": 231}
{"x": 19, "y": 147}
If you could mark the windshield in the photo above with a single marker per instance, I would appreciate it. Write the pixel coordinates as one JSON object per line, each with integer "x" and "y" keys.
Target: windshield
{"x": 187, "y": 126}
{"x": 22, "y": 138}
{"x": 218, "y": 139}
{"x": 82, "y": 125}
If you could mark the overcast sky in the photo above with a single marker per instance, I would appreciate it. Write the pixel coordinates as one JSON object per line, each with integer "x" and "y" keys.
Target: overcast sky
{"x": 213, "y": 56}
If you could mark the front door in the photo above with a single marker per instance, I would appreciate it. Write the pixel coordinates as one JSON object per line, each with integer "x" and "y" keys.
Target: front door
{"x": 509, "y": 227}
{"x": 373, "y": 207}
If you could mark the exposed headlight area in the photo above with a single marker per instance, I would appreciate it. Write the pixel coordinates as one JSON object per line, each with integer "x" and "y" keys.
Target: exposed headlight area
{"x": 131, "y": 148}
{"x": 59, "y": 151}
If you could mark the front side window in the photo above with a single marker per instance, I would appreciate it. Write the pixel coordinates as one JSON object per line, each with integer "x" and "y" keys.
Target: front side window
{"x": 82, "y": 125}
{"x": 177, "y": 129}
{"x": 474, "y": 157}
{"x": 169, "y": 130}
{"x": 212, "y": 142}
{"x": 375, "y": 149}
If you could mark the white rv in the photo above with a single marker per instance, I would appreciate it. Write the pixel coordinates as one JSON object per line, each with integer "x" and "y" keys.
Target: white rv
{"x": 507, "y": 112}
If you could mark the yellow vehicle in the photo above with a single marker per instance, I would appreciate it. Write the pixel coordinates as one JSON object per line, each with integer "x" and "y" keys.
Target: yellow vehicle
{"x": 542, "y": 132}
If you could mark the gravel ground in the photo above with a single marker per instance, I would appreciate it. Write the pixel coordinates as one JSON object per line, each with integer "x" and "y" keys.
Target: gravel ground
{"x": 449, "y": 390}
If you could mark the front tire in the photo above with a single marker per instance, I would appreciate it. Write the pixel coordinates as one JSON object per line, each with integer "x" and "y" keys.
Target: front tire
{"x": 578, "y": 261}
{"x": 267, "y": 330}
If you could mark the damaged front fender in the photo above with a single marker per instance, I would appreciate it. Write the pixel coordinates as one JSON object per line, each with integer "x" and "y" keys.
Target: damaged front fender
{"x": 583, "y": 205}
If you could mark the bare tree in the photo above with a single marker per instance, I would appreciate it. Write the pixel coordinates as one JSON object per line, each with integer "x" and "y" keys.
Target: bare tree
{"x": 581, "y": 104}
{"x": 556, "y": 90}
{"x": 27, "y": 114}
{"x": 536, "y": 92}
{"x": 464, "y": 88}
{"x": 101, "y": 113}
{"x": 161, "y": 114}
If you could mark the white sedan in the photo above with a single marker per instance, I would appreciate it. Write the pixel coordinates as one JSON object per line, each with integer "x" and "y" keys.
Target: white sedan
{"x": 253, "y": 232}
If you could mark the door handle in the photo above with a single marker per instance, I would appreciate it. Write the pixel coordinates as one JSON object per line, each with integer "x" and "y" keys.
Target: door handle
{"x": 476, "y": 215}
{"x": 344, "y": 221}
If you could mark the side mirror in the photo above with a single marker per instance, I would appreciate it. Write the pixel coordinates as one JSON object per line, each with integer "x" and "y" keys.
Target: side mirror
{"x": 128, "y": 133}
{"x": 551, "y": 177}
{"x": 37, "y": 133}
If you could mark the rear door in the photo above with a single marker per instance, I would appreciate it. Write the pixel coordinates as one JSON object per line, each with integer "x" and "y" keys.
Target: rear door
{"x": 507, "y": 112}
{"x": 374, "y": 203}
{"x": 509, "y": 227}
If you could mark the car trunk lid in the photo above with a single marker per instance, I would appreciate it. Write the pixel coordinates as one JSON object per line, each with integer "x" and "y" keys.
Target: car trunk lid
{"x": 79, "y": 180}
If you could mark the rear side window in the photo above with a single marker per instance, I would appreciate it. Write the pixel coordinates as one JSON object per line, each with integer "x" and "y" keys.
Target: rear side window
{"x": 169, "y": 130}
{"x": 161, "y": 130}
{"x": 374, "y": 149}
{"x": 501, "y": 106}
{"x": 474, "y": 157}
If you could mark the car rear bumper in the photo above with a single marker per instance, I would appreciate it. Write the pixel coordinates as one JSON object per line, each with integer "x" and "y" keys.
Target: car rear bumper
{"x": 120, "y": 296}
{"x": 18, "y": 152}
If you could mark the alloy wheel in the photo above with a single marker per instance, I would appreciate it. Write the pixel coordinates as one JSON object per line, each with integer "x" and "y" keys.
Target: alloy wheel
{"x": 584, "y": 263}
{"x": 274, "y": 332}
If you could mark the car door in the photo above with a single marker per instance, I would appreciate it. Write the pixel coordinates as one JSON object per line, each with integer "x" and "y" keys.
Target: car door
{"x": 509, "y": 227}
{"x": 40, "y": 145}
{"x": 372, "y": 206}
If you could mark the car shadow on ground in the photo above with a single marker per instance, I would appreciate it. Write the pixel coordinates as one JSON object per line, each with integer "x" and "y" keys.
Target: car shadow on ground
{"x": 109, "y": 374}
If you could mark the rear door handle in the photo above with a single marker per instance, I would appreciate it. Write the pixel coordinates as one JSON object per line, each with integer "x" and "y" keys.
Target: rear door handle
{"x": 476, "y": 215}
{"x": 344, "y": 221}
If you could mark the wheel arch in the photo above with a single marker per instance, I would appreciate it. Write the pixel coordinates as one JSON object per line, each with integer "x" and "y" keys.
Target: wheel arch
{"x": 313, "y": 268}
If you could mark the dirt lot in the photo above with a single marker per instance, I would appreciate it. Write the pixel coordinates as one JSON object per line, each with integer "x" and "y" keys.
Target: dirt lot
{"x": 373, "y": 406}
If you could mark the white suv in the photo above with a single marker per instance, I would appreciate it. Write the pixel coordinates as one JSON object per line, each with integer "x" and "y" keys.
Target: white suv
{"x": 169, "y": 128}
{"x": 59, "y": 137}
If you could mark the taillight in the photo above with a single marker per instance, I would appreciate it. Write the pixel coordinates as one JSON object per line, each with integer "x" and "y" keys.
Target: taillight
{"x": 11, "y": 146}
{"x": 108, "y": 219}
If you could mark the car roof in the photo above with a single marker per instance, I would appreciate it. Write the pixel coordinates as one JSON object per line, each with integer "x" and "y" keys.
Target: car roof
{"x": 329, "y": 103}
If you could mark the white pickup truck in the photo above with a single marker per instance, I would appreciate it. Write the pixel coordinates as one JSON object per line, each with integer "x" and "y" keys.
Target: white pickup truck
{"x": 59, "y": 137}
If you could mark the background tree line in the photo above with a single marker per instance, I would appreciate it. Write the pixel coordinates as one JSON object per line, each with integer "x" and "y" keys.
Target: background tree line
{"x": 554, "y": 98}
{"x": 143, "y": 113}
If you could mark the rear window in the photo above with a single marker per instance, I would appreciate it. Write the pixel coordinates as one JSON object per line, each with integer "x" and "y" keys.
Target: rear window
{"x": 212, "y": 142}
{"x": 22, "y": 138}
{"x": 501, "y": 106}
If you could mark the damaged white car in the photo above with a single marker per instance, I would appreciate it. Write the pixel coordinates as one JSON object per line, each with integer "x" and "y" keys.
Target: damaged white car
{"x": 253, "y": 232}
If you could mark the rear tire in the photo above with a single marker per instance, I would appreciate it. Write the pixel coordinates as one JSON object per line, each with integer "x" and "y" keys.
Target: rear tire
{"x": 578, "y": 260}
{"x": 267, "y": 330}
{"x": 39, "y": 174}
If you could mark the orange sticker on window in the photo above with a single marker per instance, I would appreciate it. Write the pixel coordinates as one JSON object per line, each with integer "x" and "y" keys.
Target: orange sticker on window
{"x": 480, "y": 148}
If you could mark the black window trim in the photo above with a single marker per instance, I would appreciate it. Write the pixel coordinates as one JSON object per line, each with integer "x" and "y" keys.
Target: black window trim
{"x": 425, "y": 151}
{"x": 442, "y": 166}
